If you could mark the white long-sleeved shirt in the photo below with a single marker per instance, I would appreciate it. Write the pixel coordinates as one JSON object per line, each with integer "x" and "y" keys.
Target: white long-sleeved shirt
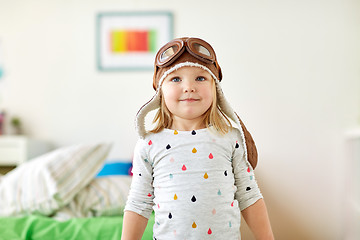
{"x": 197, "y": 182}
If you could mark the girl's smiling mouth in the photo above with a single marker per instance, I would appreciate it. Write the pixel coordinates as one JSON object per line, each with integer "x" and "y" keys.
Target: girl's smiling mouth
{"x": 189, "y": 100}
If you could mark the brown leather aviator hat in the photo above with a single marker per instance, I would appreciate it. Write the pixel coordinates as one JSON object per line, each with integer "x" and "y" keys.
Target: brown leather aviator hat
{"x": 192, "y": 52}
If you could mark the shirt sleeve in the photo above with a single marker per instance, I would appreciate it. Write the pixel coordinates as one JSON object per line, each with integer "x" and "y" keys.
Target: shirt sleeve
{"x": 247, "y": 192}
{"x": 141, "y": 195}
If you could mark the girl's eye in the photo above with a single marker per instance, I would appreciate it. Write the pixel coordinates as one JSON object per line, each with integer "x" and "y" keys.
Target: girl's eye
{"x": 175, "y": 79}
{"x": 200, "y": 79}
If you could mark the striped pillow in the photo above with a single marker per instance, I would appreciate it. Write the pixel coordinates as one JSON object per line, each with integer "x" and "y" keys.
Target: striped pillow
{"x": 105, "y": 196}
{"x": 49, "y": 182}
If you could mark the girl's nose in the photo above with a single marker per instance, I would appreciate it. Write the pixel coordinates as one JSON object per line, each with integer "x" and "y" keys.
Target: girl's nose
{"x": 189, "y": 87}
{"x": 189, "y": 90}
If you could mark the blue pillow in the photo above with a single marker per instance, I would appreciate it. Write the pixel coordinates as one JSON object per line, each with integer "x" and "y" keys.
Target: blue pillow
{"x": 115, "y": 168}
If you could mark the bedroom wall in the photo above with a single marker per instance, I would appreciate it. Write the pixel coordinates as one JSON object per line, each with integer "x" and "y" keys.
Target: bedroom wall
{"x": 291, "y": 70}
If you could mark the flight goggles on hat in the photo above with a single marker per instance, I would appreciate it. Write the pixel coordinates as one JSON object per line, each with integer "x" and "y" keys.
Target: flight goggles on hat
{"x": 198, "y": 48}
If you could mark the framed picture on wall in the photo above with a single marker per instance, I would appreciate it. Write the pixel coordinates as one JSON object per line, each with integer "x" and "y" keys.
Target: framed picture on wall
{"x": 129, "y": 40}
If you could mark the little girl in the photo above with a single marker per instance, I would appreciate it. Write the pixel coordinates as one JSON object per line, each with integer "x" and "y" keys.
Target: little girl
{"x": 193, "y": 169}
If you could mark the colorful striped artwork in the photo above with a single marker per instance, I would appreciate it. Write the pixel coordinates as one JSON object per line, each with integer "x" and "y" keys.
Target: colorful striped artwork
{"x": 127, "y": 41}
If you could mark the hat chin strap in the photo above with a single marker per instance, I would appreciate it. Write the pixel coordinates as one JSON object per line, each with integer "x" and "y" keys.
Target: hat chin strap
{"x": 225, "y": 107}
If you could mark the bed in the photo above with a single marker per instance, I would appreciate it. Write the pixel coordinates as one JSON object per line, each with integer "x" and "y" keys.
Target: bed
{"x": 38, "y": 227}
{"x": 69, "y": 193}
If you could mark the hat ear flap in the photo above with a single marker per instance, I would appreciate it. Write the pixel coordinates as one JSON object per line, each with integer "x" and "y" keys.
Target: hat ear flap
{"x": 219, "y": 69}
{"x": 249, "y": 144}
{"x": 252, "y": 154}
{"x": 154, "y": 77}
{"x": 151, "y": 105}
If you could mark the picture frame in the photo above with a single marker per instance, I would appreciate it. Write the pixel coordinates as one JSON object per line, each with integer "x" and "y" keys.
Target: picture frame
{"x": 128, "y": 41}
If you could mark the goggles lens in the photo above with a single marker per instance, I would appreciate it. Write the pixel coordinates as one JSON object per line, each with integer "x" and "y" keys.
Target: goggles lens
{"x": 201, "y": 49}
{"x": 168, "y": 53}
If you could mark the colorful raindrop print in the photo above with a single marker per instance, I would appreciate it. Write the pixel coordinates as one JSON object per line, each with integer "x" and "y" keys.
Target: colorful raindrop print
{"x": 171, "y": 176}
{"x": 183, "y": 168}
{"x": 170, "y": 216}
{"x": 225, "y": 173}
{"x": 248, "y": 188}
{"x": 209, "y": 231}
{"x": 248, "y": 169}
{"x": 194, "y": 225}
{"x": 206, "y": 176}
{"x": 194, "y": 150}
{"x": 237, "y": 145}
{"x": 193, "y": 132}
{"x": 213, "y": 211}
{"x": 219, "y": 192}
{"x": 150, "y": 142}
{"x": 175, "y": 132}
{"x": 211, "y": 156}
{"x": 149, "y": 195}
{"x": 193, "y": 199}
{"x": 168, "y": 146}
{"x": 175, "y": 197}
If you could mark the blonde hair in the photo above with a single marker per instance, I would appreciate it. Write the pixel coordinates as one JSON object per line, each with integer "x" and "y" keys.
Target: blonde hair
{"x": 214, "y": 116}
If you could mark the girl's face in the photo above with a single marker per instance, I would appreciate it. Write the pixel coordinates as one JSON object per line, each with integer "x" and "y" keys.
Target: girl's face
{"x": 188, "y": 94}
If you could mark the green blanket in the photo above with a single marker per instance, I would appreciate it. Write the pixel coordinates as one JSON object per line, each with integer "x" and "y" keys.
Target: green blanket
{"x": 43, "y": 228}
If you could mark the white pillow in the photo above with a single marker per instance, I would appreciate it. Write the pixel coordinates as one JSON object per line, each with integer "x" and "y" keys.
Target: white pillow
{"x": 49, "y": 182}
{"x": 104, "y": 196}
